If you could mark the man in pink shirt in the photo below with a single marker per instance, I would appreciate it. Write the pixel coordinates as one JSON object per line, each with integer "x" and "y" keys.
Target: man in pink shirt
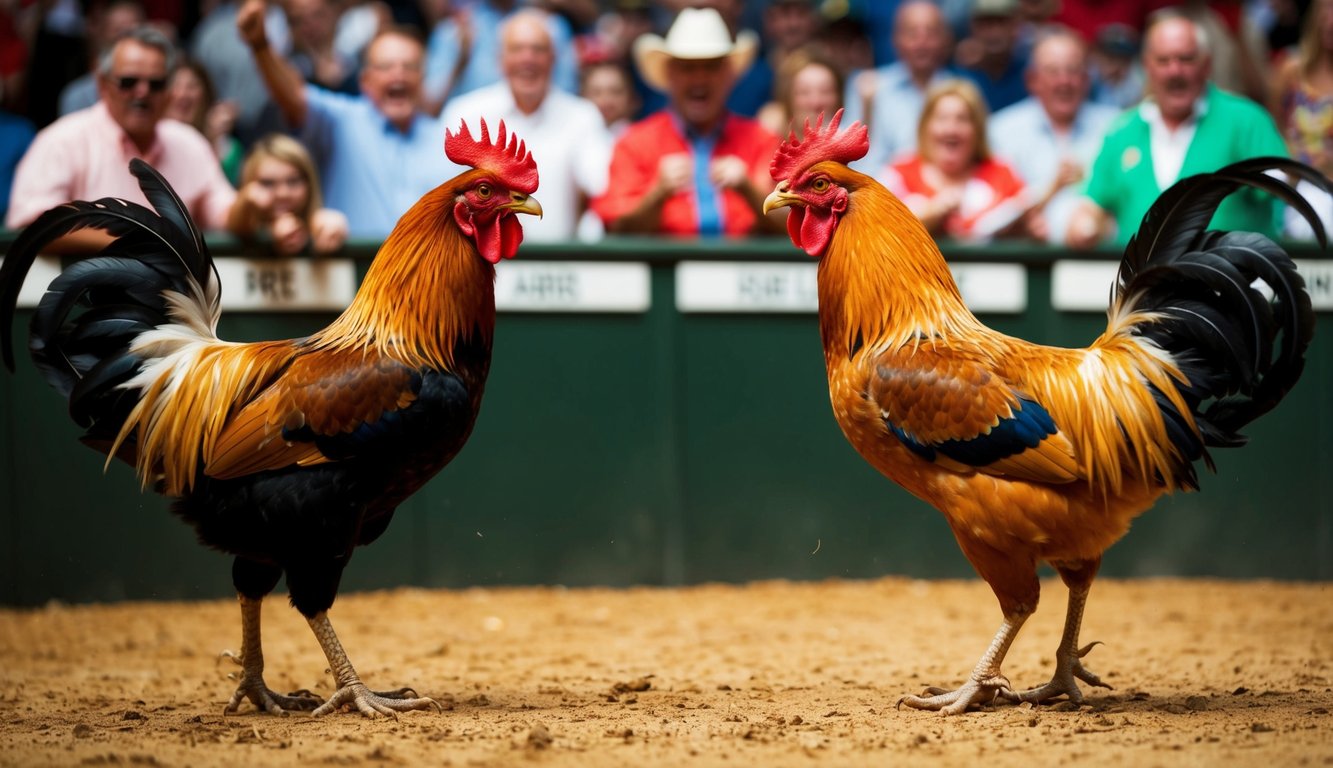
{"x": 86, "y": 154}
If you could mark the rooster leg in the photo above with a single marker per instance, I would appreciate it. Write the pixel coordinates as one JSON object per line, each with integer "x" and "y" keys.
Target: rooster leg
{"x": 985, "y": 682}
{"x": 350, "y": 688}
{"x": 1068, "y": 656}
{"x": 252, "y": 685}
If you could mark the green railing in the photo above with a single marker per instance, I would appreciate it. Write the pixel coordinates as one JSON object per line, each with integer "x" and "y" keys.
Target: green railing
{"x": 655, "y": 446}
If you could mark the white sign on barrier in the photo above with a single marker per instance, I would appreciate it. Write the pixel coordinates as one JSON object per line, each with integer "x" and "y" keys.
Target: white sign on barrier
{"x": 1082, "y": 286}
{"x": 786, "y": 287}
{"x": 44, "y": 269}
{"x": 286, "y": 285}
{"x": 572, "y": 286}
{"x": 1318, "y": 281}
{"x": 1085, "y": 286}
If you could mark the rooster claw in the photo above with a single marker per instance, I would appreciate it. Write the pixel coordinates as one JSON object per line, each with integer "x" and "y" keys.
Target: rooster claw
{"x": 973, "y": 693}
{"x": 272, "y": 703}
{"x": 374, "y": 704}
{"x": 1068, "y": 671}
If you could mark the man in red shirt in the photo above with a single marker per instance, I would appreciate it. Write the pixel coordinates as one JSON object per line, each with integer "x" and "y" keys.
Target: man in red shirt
{"x": 692, "y": 168}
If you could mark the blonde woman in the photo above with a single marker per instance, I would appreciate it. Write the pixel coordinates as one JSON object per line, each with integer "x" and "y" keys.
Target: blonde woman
{"x": 280, "y": 197}
{"x": 952, "y": 182}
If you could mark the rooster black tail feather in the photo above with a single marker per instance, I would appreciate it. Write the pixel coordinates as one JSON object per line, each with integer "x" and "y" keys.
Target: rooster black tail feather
{"x": 1234, "y": 313}
{"x": 84, "y": 324}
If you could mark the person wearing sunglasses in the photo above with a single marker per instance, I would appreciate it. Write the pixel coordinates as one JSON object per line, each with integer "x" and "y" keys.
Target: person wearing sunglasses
{"x": 85, "y": 155}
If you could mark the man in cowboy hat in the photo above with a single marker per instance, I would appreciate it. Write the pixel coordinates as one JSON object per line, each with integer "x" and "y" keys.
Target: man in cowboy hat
{"x": 693, "y": 167}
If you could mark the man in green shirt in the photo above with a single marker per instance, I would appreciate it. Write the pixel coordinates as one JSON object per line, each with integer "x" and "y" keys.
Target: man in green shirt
{"x": 1184, "y": 126}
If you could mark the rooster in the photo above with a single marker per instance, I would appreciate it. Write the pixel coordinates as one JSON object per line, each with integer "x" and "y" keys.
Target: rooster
{"x": 285, "y": 454}
{"x": 1035, "y": 453}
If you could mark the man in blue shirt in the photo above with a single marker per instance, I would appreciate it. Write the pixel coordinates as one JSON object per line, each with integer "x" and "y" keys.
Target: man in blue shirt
{"x": 1051, "y": 137}
{"x": 377, "y": 152}
{"x": 889, "y": 99}
{"x": 991, "y": 58}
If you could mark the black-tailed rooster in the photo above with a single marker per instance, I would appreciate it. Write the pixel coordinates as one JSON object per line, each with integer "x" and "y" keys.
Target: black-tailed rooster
{"x": 286, "y": 454}
{"x": 1035, "y": 453}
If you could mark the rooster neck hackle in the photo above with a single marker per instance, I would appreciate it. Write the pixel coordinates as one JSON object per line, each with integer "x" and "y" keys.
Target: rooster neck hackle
{"x": 426, "y": 289}
{"x": 883, "y": 281}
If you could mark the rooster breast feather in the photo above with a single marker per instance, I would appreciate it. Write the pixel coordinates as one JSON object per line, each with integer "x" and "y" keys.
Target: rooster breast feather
{"x": 956, "y": 412}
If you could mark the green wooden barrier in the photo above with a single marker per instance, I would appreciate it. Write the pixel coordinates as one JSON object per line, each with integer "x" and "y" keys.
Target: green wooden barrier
{"x": 653, "y": 447}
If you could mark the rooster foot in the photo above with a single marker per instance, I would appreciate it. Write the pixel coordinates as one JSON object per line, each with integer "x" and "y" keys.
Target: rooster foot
{"x": 373, "y": 704}
{"x": 270, "y": 702}
{"x": 973, "y": 693}
{"x": 1068, "y": 669}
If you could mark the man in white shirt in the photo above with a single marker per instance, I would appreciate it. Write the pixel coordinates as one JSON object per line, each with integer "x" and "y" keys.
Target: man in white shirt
{"x": 1052, "y": 136}
{"x": 565, "y": 133}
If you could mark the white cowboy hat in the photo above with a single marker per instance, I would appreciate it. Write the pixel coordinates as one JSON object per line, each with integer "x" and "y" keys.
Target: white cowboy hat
{"x": 697, "y": 33}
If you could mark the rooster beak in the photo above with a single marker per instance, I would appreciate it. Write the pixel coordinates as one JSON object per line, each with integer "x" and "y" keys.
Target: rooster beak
{"x": 780, "y": 198}
{"x": 521, "y": 203}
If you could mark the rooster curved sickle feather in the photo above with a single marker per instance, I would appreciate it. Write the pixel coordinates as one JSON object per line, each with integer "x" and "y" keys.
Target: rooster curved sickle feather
{"x": 286, "y": 454}
{"x": 1035, "y": 453}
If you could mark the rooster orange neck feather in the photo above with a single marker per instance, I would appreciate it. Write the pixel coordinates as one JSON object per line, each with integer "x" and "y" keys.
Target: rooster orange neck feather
{"x": 883, "y": 280}
{"x": 426, "y": 289}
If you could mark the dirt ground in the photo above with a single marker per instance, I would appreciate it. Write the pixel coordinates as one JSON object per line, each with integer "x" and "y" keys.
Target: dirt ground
{"x": 773, "y": 674}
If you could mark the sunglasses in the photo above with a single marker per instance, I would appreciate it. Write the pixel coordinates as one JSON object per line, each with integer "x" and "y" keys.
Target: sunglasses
{"x": 155, "y": 84}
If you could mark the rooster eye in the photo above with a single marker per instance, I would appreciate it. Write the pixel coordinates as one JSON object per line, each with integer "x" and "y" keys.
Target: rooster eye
{"x": 483, "y": 191}
{"x": 820, "y": 184}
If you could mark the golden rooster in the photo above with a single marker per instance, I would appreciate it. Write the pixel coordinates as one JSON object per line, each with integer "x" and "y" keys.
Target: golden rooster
{"x": 1034, "y": 453}
{"x": 285, "y": 454}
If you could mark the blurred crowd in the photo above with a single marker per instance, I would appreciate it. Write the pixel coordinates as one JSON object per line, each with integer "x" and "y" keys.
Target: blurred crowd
{"x": 305, "y": 122}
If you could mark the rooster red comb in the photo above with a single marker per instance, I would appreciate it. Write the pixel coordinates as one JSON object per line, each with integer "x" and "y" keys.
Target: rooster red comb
{"x": 819, "y": 144}
{"x": 508, "y": 158}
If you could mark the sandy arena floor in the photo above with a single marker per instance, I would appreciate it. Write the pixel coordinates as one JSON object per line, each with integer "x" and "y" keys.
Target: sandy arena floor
{"x": 771, "y": 674}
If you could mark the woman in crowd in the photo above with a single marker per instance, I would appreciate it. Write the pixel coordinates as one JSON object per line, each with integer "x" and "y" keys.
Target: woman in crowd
{"x": 952, "y": 183}
{"x": 191, "y": 99}
{"x": 609, "y": 85}
{"x": 279, "y": 197}
{"x": 1303, "y": 109}
{"x": 806, "y": 86}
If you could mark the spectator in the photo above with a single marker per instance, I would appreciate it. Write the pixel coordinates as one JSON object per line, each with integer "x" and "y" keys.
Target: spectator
{"x": 191, "y": 99}
{"x": 218, "y": 46}
{"x": 104, "y": 26}
{"x": 754, "y": 84}
{"x": 843, "y": 43}
{"x": 789, "y": 26}
{"x": 990, "y": 58}
{"x": 279, "y": 197}
{"x": 378, "y": 152}
{"x": 609, "y": 86}
{"x": 1060, "y": 120}
{"x": 889, "y": 99}
{"x": 314, "y": 27}
{"x": 1303, "y": 91}
{"x": 16, "y": 135}
{"x": 1117, "y": 74}
{"x": 565, "y": 133}
{"x": 1303, "y": 107}
{"x": 463, "y": 52}
{"x": 1184, "y": 126}
{"x": 693, "y": 168}
{"x": 1237, "y": 49}
{"x": 807, "y": 87}
{"x": 85, "y": 155}
{"x": 952, "y": 183}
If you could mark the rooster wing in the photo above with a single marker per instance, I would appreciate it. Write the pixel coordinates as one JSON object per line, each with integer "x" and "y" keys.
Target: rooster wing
{"x": 950, "y": 408}
{"x": 326, "y": 406}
